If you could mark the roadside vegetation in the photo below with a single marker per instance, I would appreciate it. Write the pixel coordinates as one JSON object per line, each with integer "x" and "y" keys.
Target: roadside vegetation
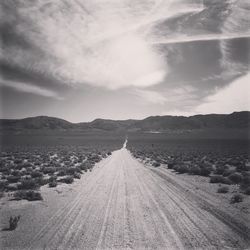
{"x": 223, "y": 162}
{"x": 24, "y": 170}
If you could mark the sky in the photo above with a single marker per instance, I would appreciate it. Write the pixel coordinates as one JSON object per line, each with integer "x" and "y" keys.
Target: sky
{"x": 85, "y": 59}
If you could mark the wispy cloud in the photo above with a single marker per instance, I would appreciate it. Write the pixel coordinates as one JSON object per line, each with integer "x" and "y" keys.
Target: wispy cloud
{"x": 94, "y": 42}
{"x": 204, "y": 37}
{"x": 150, "y": 96}
{"x": 235, "y": 53}
{"x": 235, "y": 97}
{"x": 27, "y": 88}
{"x": 172, "y": 98}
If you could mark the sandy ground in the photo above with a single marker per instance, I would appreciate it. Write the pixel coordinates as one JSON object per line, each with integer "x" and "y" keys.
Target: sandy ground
{"x": 123, "y": 204}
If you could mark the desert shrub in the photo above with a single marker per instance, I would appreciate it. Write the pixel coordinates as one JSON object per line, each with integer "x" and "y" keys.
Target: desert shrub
{"x": 72, "y": 170}
{"x": 245, "y": 183}
{"x": 29, "y": 170}
{"x": 242, "y": 167}
{"x": 27, "y": 184}
{"x": 67, "y": 179}
{"x": 41, "y": 181}
{"x": 227, "y": 181}
{"x": 86, "y": 165}
{"x": 94, "y": 158}
{"x": 156, "y": 164}
{"x": 13, "y": 179}
{"x": 77, "y": 175}
{"x": 13, "y": 222}
{"x": 163, "y": 161}
{"x": 205, "y": 171}
{"x": 61, "y": 172}
{"x": 195, "y": 170}
{"x": 52, "y": 178}
{"x": 182, "y": 169}
{"x": 49, "y": 170}
{"x": 220, "y": 170}
{"x": 109, "y": 153}
{"x": 171, "y": 165}
{"x": 6, "y": 170}
{"x": 223, "y": 190}
{"x": 53, "y": 183}
{"x": 29, "y": 195}
{"x": 236, "y": 177}
{"x": 26, "y": 165}
{"x": 18, "y": 161}
{"x": 3, "y": 184}
{"x": 104, "y": 155}
{"x": 176, "y": 167}
{"x": 19, "y": 166}
{"x": 216, "y": 179}
{"x": 228, "y": 172}
{"x": 15, "y": 173}
{"x": 12, "y": 187}
{"x": 220, "y": 179}
{"x": 36, "y": 174}
{"x": 247, "y": 191}
{"x": 78, "y": 170}
{"x": 236, "y": 198}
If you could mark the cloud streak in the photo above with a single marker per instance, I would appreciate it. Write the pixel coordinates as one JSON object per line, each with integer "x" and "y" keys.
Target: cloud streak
{"x": 99, "y": 43}
{"x": 150, "y": 96}
{"x": 234, "y": 97}
{"x": 27, "y": 88}
{"x": 206, "y": 37}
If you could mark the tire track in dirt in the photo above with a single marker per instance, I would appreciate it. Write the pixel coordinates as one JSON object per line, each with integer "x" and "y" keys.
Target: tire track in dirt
{"x": 193, "y": 215}
{"x": 67, "y": 238}
{"x": 190, "y": 226}
{"x": 88, "y": 207}
{"x": 205, "y": 202}
{"x": 157, "y": 223}
{"x": 120, "y": 231}
{"x": 107, "y": 220}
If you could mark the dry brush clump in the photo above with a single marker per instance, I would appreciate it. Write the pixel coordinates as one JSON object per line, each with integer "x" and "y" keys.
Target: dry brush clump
{"x": 235, "y": 178}
{"x": 223, "y": 190}
{"x": 220, "y": 179}
{"x": 52, "y": 181}
{"x": 29, "y": 195}
{"x": 245, "y": 183}
{"x": 67, "y": 179}
{"x": 236, "y": 198}
{"x": 13, "y": 222}
{"x": 28, "y": 184}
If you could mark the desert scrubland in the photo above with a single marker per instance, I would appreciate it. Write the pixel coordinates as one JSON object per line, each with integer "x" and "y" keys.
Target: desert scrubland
{"x": 131, "y": 196}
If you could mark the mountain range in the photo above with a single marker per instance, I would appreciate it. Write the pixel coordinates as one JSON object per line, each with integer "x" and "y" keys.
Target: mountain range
{"x": 236, "y": 120}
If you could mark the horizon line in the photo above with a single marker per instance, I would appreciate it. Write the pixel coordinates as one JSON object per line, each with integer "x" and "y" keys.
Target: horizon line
{"x": 123, "y": 119}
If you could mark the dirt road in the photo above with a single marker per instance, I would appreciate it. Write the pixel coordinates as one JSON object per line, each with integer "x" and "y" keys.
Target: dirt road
{"x": 124, "y": 204}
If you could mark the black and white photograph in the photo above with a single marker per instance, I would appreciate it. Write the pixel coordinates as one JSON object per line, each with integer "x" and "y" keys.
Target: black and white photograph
{"x": 125, "y": 124}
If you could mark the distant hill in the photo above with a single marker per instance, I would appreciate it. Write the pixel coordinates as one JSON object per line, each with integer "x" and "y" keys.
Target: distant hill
{"x": 104, "y": 124}
{"x": 39, "y": 122}
{"x": 213, "y": 121}
{"x": 236, "y": 120}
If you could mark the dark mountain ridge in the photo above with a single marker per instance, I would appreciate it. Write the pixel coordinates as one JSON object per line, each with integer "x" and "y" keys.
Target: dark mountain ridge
{"x": 236, "y": 120}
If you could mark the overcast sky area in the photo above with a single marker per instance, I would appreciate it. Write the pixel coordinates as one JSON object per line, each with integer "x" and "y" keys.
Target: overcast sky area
{"x": 86, "y": 59}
